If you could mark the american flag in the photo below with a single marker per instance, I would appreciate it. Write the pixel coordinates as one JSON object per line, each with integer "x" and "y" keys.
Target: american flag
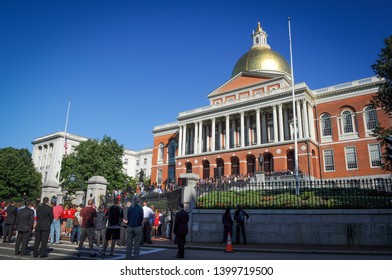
{"x": 65, "y": 145}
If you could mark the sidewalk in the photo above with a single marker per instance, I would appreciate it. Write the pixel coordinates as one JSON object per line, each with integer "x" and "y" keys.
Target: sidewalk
{"x": 279, "y": 248}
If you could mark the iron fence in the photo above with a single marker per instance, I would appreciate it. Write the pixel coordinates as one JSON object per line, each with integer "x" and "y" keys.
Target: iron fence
{"x": 318, "y": 194}
{"x": 163, "y": 200}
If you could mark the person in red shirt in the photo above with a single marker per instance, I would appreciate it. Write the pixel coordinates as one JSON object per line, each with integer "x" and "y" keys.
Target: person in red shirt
{"x": 63, "y": 220}
{"x": 3, "y": 216}
{"x": 87, "y": 223}
{"x": 55, "y": 226}
{"x": 156, "y": 221}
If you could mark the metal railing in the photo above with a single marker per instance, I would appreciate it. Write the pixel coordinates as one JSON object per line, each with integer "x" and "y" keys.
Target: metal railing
{"x": 318, "y": 194}
{"x": 164, "y": 200}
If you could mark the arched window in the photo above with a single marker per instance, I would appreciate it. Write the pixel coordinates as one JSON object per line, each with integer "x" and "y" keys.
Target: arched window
{"x": 188, "y": 166}
{"x": 326, "y": 129}
{"x": 160, "y": 152}
{"x": 290, "y": 160}
{"x": 347, "y": 122}
{"x": 235, "y": 166}
{"x": 268, "y": 162}
{"x": 251, "y": 164}
{"x": 206, "y": 169}
{"x": 172, "y": 151}
{"x": 371, "y": 120}
{"x": 219, "y": 170}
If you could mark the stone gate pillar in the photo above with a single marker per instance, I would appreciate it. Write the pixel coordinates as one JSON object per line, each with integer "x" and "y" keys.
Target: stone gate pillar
{"x": 189, "y": 198}
{"x": 79, "y": 198}
{"x": 50, "y": 189}
{"x": 189, "y": 193}
{"x": 96, "y": 187}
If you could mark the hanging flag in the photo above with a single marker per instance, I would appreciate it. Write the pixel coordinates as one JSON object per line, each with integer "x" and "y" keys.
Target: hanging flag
{"x": 65, "y": 144}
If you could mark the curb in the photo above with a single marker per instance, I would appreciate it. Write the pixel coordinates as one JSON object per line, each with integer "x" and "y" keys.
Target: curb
{"x": 281, "y": 251}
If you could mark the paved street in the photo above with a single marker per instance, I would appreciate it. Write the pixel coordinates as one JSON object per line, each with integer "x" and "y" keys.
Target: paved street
{"x": 66, "y": 251}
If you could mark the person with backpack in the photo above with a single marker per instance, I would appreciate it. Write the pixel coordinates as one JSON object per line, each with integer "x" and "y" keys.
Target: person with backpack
{"x": 75, "y": 234}
{"x": 239, "y": 218}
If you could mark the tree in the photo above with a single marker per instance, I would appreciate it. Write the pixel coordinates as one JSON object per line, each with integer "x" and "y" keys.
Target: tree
{"x": 383, "y": 98}
{"x": 18, "y": 175}
{"x": 94, "y": 158}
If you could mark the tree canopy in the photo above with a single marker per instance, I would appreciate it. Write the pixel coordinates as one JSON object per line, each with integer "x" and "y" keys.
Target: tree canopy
{"x": 94, "y": 158}
{"x": 383, "y": 99}
{"x": 383, "y": 69}
{"x": 18, "y": 175}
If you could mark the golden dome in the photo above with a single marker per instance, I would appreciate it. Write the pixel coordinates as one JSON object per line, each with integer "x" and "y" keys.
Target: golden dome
{"x": 261, "y": 58}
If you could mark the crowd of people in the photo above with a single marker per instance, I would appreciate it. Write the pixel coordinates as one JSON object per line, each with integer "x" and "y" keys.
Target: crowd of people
{"x": 128, "y": 225}
{"x": 241, "y": 178}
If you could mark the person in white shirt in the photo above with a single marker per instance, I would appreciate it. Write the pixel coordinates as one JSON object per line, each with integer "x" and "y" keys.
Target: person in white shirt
{"x": 148, "y": 213}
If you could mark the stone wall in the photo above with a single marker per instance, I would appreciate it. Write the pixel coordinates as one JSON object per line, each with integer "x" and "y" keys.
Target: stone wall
{"x": 335, "y": 227}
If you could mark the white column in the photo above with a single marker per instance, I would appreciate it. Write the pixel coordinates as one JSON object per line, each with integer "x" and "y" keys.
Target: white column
{"x": 275, "y": 119}
{"x": 281, "y": 128}
{"x": 248, "y": 130}
{"x": 299, "y": 120}
{"x": 311, "y": 121}
{"x": 213, "y": 135}
{"x": 258, "y": 132}
{"x": 227, "y": 137}
{"x": 242, "y": 129}
{"x": 201, "y": 137}
{"x": 184, "y": 140}
{"x": 305, "y": 115}
{"x": 263, "y": 127}
{"x": 180, "y": 141}
{"x": 196, "y": 139}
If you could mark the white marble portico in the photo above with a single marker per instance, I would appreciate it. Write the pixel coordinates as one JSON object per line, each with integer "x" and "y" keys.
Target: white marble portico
{"x": 253, "y": 121}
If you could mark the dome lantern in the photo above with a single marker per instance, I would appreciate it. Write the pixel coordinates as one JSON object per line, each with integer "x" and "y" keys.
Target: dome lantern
{"x": 260, "y": 37}
{"x": 261, "y": 58}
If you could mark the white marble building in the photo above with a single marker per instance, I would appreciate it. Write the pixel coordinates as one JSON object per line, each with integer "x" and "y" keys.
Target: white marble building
{"x": 48, "y": 152}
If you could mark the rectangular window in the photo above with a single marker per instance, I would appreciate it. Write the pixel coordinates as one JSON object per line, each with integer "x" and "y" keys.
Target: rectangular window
{"x": 375, "y": 155}
{"x": 329, "y": 162}
{"x": 326, "y": 126}
{"x": 351, "y": 158}
{"x": 145, "y": 161}
{"x": 137, "y": 162}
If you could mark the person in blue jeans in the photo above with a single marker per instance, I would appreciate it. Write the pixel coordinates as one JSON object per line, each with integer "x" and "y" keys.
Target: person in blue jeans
{"x": 76, "y": 227}
{"x": 55, "y": 226}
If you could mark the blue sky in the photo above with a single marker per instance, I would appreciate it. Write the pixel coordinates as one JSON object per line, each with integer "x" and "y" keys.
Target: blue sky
{"x": 128, "y": 66}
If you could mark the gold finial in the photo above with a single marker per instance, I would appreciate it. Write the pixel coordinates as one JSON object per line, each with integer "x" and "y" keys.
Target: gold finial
{"x": 258, "y": 26}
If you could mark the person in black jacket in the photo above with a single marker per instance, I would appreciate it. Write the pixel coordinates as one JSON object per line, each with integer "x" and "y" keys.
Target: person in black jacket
{"x": 24, "y": 226}
{"x": 239, "y": 218}
{"x": 42, "y": 229}
{"x": 10, "y": 222}
{"x": 227, "y": 222}
{"x": 181, "y": 230}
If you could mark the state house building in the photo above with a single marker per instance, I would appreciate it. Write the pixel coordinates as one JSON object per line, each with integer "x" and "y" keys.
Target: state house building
{"x": 252, "y": 114}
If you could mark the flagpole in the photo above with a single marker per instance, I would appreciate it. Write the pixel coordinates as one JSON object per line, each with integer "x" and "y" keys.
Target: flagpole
{"x": 65, "y": 140}
{"x": 66, "y": 127}
{"x": 294, "y": 115}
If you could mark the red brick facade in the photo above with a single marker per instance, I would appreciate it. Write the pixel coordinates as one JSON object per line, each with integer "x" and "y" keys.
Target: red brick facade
{"x": 311, "y": 152}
